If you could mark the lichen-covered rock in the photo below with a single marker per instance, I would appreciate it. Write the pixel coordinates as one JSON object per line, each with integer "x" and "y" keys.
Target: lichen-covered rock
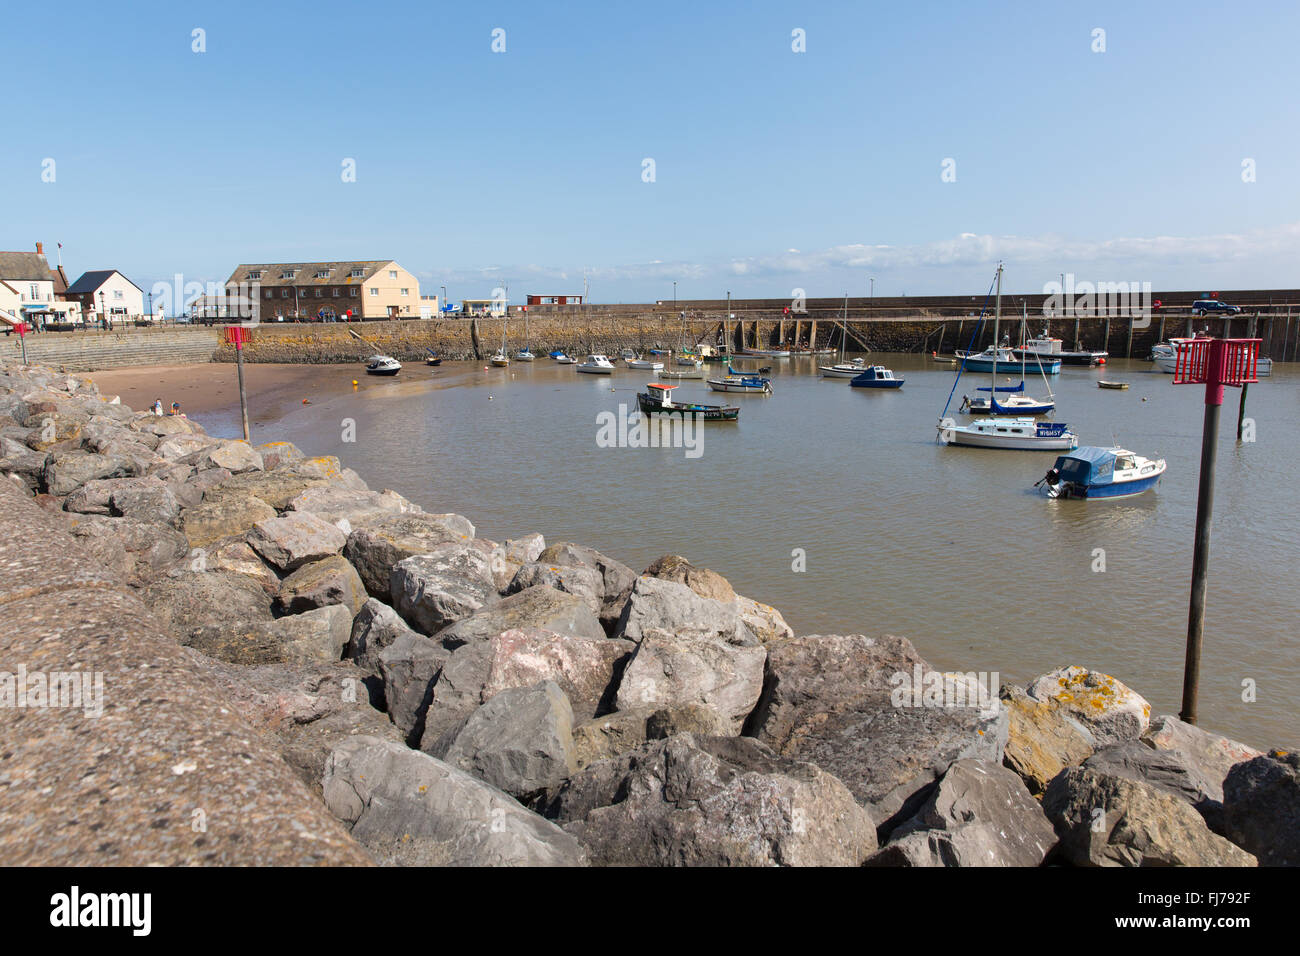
{"x": 410, "y": 809}
{"x": 1106, "y": 820}
{"x": 185, "y": 601}
{"x": 535, "y": 607}
{"x": 1108, "y": 708}
{"x": 712, "y": 801}
{"x": 66, "y": 471}
{"x": 520, "y": 741}
{"x": 1043, "y": 739}
{"x": 313, "y": 636}
{"x": 330, "y": 580}
{"x": 348, "y": 508}
{"x": 223, "y": 517}
{"x": 673, "y": 669}
{"x": 276, "y": 453}
{"x": 764, "y": 621}
{"x": 705, "y": 583}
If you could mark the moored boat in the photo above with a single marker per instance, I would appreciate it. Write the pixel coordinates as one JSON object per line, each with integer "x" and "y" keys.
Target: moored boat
{"x": 597, "y": 364}
{"x": 657, "y": 400}
{"x": 1092, "y": 472}
{"x": 740, "y": 382}
{"x": 1010, "y": 405}
{"x": 1003, "y": 359}
{"x": 563, "y": 359}
{"x": 844, "y": 369}
{"x": 1103, "y": 383}
{"x": 382, "y": 365}
{"x": 877, "y": 376}
{"x": 645, "y": 364}
{"x": 1014, "y": 434}
{"x": 1046, "y": 347}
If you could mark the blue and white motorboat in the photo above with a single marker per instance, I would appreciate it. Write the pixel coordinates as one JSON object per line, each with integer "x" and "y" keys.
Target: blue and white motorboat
{"x": 741, "y": 382}
{"x": 1003, "y": 359}
{"x": 1092, "y": 472}
{"x": 877, "y": 376}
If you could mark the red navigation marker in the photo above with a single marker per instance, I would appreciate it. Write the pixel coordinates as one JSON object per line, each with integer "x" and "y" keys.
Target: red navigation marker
{"x": 1213, "y": 363}
{"x": 237, "y": 335}
{"x": 21, "y": 329}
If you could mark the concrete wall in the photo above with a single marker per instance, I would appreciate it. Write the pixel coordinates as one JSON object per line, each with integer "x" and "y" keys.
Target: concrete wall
{"x": 92, "y": 350}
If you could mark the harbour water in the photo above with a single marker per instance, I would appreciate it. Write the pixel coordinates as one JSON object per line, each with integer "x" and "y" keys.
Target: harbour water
{"x": 950, "y": 547}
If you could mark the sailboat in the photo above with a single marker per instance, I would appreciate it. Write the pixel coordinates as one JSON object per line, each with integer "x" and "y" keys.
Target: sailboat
{"x": 1021, "y": 433}
{"x": 844, "y": 369}
{"x": 501, "y": 359}
{"x": 1012, "y": 404}
{"x": 524, "y": 355}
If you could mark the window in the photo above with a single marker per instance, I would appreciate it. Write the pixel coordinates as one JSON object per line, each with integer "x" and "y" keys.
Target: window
{"x": 404, "y": 292}
{"x": 358, "y": 273}
{"x": 269, "y": 292}
{"x": 255, "y": 274}
{"x": 117, "y": 294}
{"x": 353, "y": 291}
{"x": 284, "y": 293}
{"x": 35, "y": 292}
{"x": 374, "y": 292}
{"x": 288, "y": 273}
{"x": 392, "y": 273}
{"x": 318, "y": 293}
{"x": 323, "y": 274}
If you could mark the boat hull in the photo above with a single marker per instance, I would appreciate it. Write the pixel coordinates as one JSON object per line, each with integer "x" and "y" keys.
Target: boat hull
{"x": 382, "y": 371}
{"x": 708, "y": 413}
{"x": 595, "y": 370}
{"x": 720, "y": 386}
{"x": 1086, "y": 359}
{"x": 879, "y": 383}
{"x": 1046, "y": 366}
{"x": 1014, "y": 443}
{"x": 830, "y": 371}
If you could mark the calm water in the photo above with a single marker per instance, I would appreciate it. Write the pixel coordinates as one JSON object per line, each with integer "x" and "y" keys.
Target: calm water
{"x": 949, "y": 547}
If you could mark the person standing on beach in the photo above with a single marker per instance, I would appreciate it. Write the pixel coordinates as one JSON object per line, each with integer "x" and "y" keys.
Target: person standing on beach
{"x": 157, "y": 407}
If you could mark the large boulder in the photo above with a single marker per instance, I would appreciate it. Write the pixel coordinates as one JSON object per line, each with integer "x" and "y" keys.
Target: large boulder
{"x": 375, "y": 627}
{"x": 520, "y": 741}
{"x": 141, "y": 551}
{"x": 1044, "y": 738}
{"x": 1107, "y": 820}
{"x": 276, "y": 453}
{"x": 411, "y": 809}
{"x": 234, "y": 554}
{"x": 612, "y": 735}
{"x": 314, "y": 636}
{"x": 66, "y": 471}
{"x": 186, "y": 601}
{"x": 1261, "y": 807}
{"x": 1109, "y": 709}
{"x": 346, "y": 507}
{"x": 705, "y": 583}
{"x": 673, "y": 669}
{"x": 535, "y": 607}
{"x": 321, "y": 583}
{"x": 657, "y": 607}
{"x": 236, "y": 456}
{"x": 1170, "y": 771}
{"x": 409, "y": 666}
{"x": 17, "y": 459}
{"x": 577, "y": 580}
{"x": 853, "y": 705}
{"x": 616, "y": 577}
{"x": 979, "y": 814}
{"x": 436, "y": 589}
{"x": 296, "y": 539}
{"x": 1212, "y": 754}
{"x": 378, "y": 547}
{"x": 512, "y": 554}
{"x": 223, "y": 517}
{"x": 308, "y": 708}
{"x": 764, "y": 621}
{"x": 712, "y": 801}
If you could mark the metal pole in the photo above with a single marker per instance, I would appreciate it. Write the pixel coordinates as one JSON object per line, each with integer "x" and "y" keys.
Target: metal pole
{"x": 1241, "y": 409}
{"x": 1204, "y": 512}
{"x": 243, "y": 395}
{"x": 23, "y": 341}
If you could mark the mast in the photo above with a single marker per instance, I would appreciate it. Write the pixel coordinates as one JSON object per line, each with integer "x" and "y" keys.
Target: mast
{"x": 844, "y": 328}
{"x": 997, "y": 342}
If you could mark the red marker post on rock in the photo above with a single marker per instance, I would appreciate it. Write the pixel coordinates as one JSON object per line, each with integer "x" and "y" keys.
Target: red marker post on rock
{"x": 1213, "y": 363}
{"x": 237, "y": 335}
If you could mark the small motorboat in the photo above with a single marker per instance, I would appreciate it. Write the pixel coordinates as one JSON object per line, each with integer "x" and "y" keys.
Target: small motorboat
{"x": 500, "y": 359}
{"x": 1103, "y": 383}
{"x": 660, "y": 352}
{"x": 844, "y": 369}
{"x": 657, "y": 400}
{"x": 626, "y": 354}
{"x": 735, "y": 381}
{"x": 434, "y": 359}
{"x": 687, "y": 359}
{"x": 382, "y": 365}
{"x": 563, "y": 359}
{"x": 597, "y": 364}
{"x": 766, "y": 353}
{"x": 877, "y": 376}
{"x": 556, "y": 354}
{"x": 1046, "y": 347}
{"x": 645, "y": 364}
{"x": 684, "y": 373}
{"x": 1017, "y": 434}
{"x": 523, "y": 355}
{"x": 1091, "y": 472}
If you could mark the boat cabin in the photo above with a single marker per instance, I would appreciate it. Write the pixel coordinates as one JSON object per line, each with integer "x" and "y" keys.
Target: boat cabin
{"x": 660, "y": 393}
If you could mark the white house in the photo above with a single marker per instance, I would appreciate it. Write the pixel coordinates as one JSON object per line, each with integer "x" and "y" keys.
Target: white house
{"x": 28, "y": 276}
{"x": 106, "y": 292}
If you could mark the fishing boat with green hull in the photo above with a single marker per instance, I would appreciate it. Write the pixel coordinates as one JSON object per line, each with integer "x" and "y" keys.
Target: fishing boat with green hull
{"x": 657, "y": 400}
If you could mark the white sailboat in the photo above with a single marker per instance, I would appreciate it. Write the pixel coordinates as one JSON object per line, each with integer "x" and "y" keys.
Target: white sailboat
{"x": 844, "y": 369}
{"x": 1013, "y": 401}
{"x": 1016, "y": 434}
{"x": 524, "y": 354}
{"x": 501, "y": 359}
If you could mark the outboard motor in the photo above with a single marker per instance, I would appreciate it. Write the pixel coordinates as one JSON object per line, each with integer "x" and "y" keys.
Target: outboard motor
{"x": 1052, "y": 480}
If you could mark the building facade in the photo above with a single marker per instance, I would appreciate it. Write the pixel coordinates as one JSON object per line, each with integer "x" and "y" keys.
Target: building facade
{"x": 106, "y": 294}
{"x": 28, "y": 276}
{"x": 369, "y": 289}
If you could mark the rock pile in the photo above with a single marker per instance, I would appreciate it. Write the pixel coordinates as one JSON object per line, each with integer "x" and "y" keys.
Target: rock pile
{"x": 457, "y": 700}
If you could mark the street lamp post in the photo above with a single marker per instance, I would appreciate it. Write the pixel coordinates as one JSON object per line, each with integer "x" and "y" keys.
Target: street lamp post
{"x": 103, "y": 313}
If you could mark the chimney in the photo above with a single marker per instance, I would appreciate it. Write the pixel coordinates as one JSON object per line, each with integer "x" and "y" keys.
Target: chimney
{"x": 40, "y": 249}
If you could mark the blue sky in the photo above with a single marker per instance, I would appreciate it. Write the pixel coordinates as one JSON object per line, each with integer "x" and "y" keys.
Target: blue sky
{"x": 773, "y": 169}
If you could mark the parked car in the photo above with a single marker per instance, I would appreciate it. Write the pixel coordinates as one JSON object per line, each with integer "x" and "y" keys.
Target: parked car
{"x": 1201, "y": 306}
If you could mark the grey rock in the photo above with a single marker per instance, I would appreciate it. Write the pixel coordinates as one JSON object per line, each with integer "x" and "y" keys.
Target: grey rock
{"x": 1212, "y": 754}
{"x": 673, "y": 669}
{"x": 411, "y": 809}
{"x": 346, "y": 507}
{"x": 96, "y": 497}
{"x": 535, "y": 607}
{"x": 185, "y": 601}
{"x": 375, "y": 627}
{"x": 223, "y": 517}
{"x": 434, "y": 590}
{"x": 1261, "y": 807}
{"x": 296, "y": 539}
{"x": 712, "y": 801}
{"x": 409, "y": 666}
{"x": 66, "y": 471}
{"x": 141, "y": 551}
{"x": 979, "y": 814}
{"x": 276, "y": 453}
{"x": 657, "y": 607}
{"x": 520, "y": 741}
{"x": 1105, "y": 820}
{"x": 1170, "y": 771}
{"x": 378, "y": 547}
{"x": 577, "y": 580}
{"x": 16, "y": 458}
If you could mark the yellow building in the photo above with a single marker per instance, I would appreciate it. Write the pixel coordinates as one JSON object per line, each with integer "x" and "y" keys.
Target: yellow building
{"x": 370, "y": 289}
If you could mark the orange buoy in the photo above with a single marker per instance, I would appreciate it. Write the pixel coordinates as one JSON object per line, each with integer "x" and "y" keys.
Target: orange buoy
{"x": 354, "y": 381}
